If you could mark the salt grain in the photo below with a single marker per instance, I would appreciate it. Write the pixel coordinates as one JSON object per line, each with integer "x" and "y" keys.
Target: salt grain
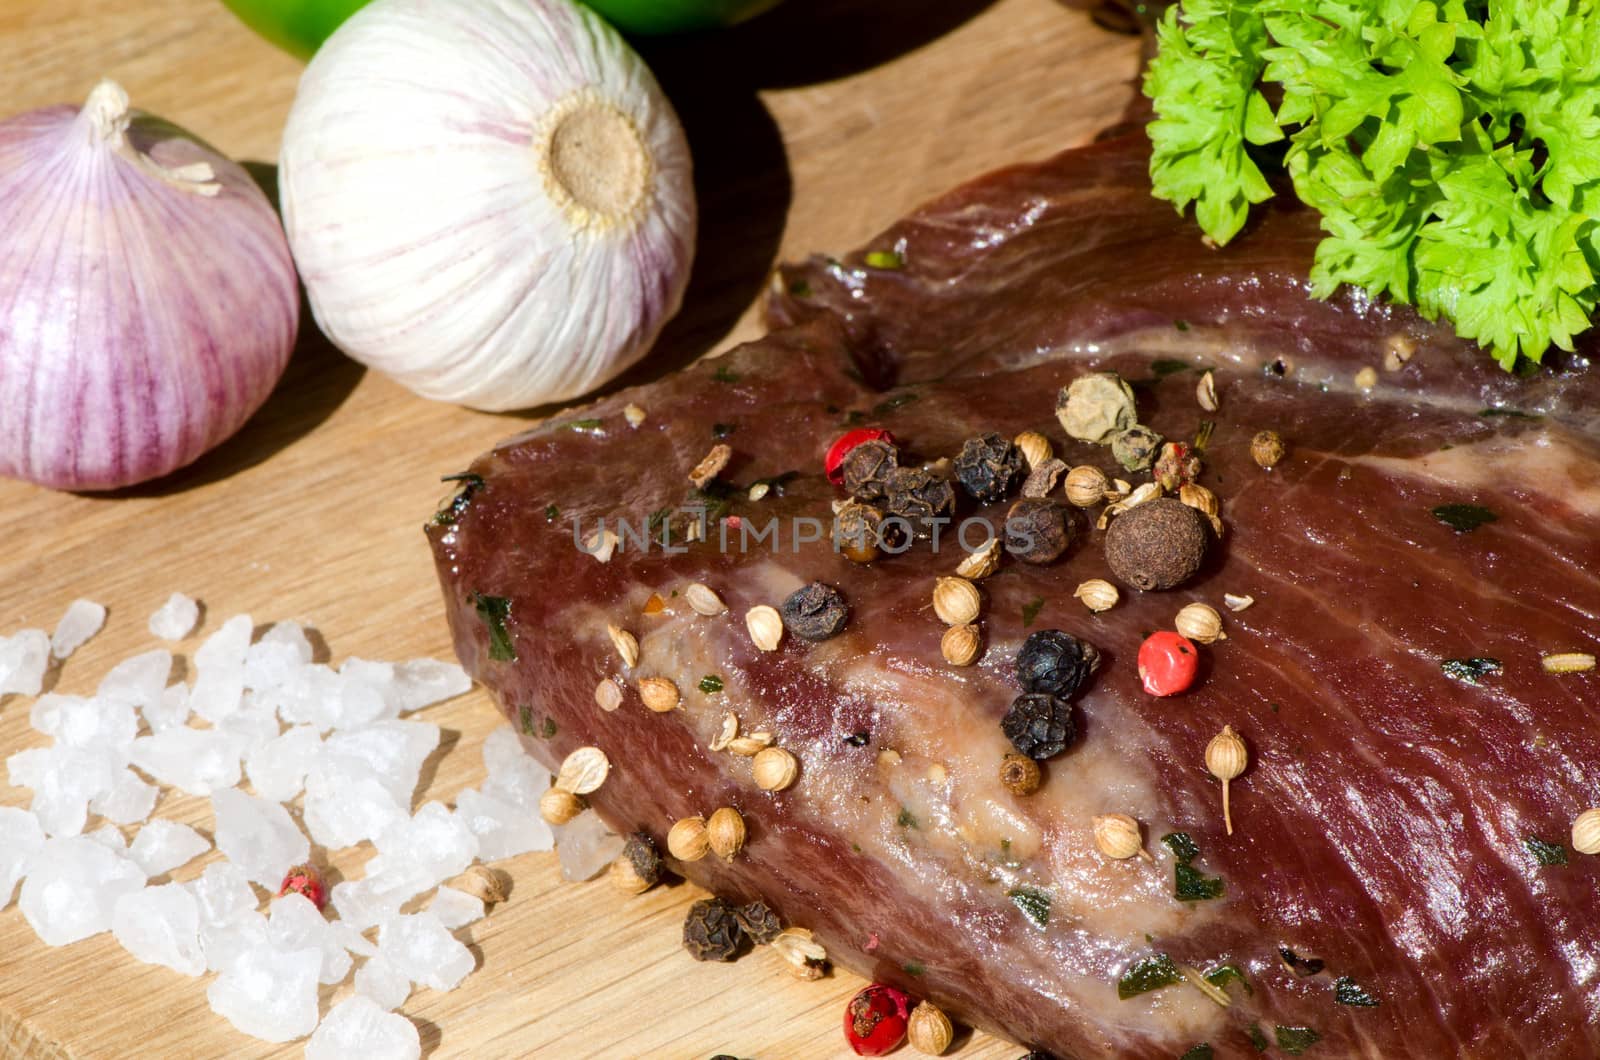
{"x": 423, "y": 950}
{"x": 392, "y": 752}
{"x": 504, "y": 830}
{"x": 199, "y": 761}
{"x": 269, "y": 995}
{"x": 223, "y": 894}
{"x": 219, "y": 663}
{"x": 586, "y": 847}
{"x": 278, "y": 768}
{"x": 367, "y": 903}
{"x": 295, "y": 924}
{"x": 138, "y": 680}
{"x": 82, "y": 620}
{"x": 20, "y": 836}
{"x": 160, "y": 925}
{"x": 175, "y": 619}
{"x": 359, "y": 1028}
{"x": 258, "y": 836}
{"x": 128, "y": 800}
{"x": 170, "y": 710}
{"x": 163, "y": 845}
{"x": 344, "y": 806}
{"x": 110, "y": 837}
{"x": 427, "y": 849}
{"x": 421, "y": 683}
{"x": 385, "y": 985}
{"x": 224, "y": 944}
{"x": 63, "y": 780}
{"x": 514, "y": 775}
{"x": 72, "y": 887}
{"x": 455, "y": 909}
{"x": 24, "y": 658}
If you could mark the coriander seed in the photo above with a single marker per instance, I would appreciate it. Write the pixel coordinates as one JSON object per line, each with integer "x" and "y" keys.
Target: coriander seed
{"x": 1567, "y": 662}
{"x": 1226, "y": 757}
{"x": 1035, "y": 448}
{"x": 659, "y": 694}
{"x": 981, "y": 562}
{"x": 765, "y": 626}
{"x": 638, "y": 868}
{"x": 711, "y": 465}
{"x": 959, "y": 645}
{"x": 1586, "y": 832}
{"x": 703, "y": 600}
{"x": 1086, "y": 486}
{"x": 484, "y": 884}
{"x": 558, "y": 806}
{"x": 725, "y": 833}
{"x": 1019, "y": 774}
{"x": 774, "y": 769}
{"x": 1237, "y": 602}
{"x": 627, "y": 645}
{"x": 730, "y": 729}
{"x": 608, "y": 695}
{"x": 583, "y": 771}
{"x": 1200, "y": 623}
{"x": 804, "y": 955}
{"x": 687, "y": 839}
{"x": 1267, "y": 449}
{"x": 752, "y": 744}
{"x": 1205, "y": 392}
{"x": 956, "y": 601}
{"x": 1097, "y": 594}
{"x": 1397, "y": 352}
{"x": 929, "y": 1030}
{"x": 1117, "y": 836}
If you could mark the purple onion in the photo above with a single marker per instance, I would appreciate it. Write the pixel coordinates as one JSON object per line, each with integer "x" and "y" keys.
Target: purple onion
{"x": 148, "y": 302}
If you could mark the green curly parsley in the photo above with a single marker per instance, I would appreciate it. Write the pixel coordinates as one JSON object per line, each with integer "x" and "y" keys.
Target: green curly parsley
{"x": 1452, "y": 149}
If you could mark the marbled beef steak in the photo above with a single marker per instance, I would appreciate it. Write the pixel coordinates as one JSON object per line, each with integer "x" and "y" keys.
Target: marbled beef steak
{"x": 1383, "y": 826}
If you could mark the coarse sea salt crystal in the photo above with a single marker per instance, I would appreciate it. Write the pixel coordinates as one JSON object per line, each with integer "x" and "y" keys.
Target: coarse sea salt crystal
{"x": 258, "y": 836}
{"x": 421, "y": 683}
{"x": 128, "y": 800}
{"x": 251, "y": 727}
{"x": 82, "y": 620}
{"x": 514, "y": 776}
{"x": 24, "y": 657}
{"x": 71, "y": 888}
{"x": 309, "y": 695}
{"x": 368, "y": 902}
{"x": 170, "y": 710}
{"x": 63, "y": 780}
{"x": 359, "y": 1028}
{"x": 110, "y": 837}
{"x": 424, "y": 951}
{"x": 586, "y": 847}
{"x": 455, "y": 909}
{"x": 199, "y": 761}
{"x": 270, "y": 664}
{"x": 295, "y": 924}
{"x": 20, "y": 836}
{"x": 219, "y": 666}
{"x": 368, "y": 694}
{"x": 278, "y": 768}
{"x": 391, "y": 751}
{"x": 160, "y": 925}
{"x": 137, "y": 680}
{"x": 175, "y": 619}
{"x": 344, "y": 807}
{"x": 225, "y": 943}
{"x": 382, "y": 983}
{"x": 223, "y": 893}
{"x": 292, "y": 634}
{"x": 164, "y": 845}
{"x": 268, "y": 994}
{"x": 426, "y": 849}
{"x": 503, "y": 829}
{"x": 86, "y": 723}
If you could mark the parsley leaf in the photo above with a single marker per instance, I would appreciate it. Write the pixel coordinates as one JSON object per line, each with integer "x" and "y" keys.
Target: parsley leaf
{"x": 1453, "y": 150}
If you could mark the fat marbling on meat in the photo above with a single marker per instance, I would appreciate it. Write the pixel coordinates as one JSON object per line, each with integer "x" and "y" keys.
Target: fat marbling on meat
{"x": 1382, "y": 827}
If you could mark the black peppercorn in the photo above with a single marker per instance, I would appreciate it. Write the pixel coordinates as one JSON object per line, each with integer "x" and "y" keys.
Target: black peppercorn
{"x": 759, "y": 922}
{"x": 867, "y": 468}
{"x": 711, "y": 931}
{"x": 919, "y": 496}
{"x": 1158, "y": 545}
{"x": 815, "y": 612}
{"x": 1055, "y": 662}
{"x": 640, "y": 850}
{"x": 989, "y": 467}
{"x": 1039, "y": 725}
{"x": 1038, "y": 529}
{"x": 859, "y": 534}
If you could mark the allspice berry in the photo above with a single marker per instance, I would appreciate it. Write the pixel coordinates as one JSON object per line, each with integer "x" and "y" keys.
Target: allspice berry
{"x": 1039, "y": 530}
{"x": 1267, "y": 449}
{"x": 687, "y": 839}
{"x": 558, "y": 806}
{"x": 1019, "y": 774}
{"x": 725, "y": 833}
{"x": 929, "y": 1030}
{"x": 1158, "y": 545}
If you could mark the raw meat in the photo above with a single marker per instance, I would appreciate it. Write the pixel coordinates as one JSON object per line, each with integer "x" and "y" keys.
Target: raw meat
{"x": 1382, "y": 827}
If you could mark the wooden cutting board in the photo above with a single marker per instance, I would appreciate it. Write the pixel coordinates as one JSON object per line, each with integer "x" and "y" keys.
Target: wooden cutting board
{"x": 812, "y": 128}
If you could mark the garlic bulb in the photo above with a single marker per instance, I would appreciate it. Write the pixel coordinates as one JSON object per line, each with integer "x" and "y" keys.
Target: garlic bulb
{"x": 490, "y": 201}
{"x": 147, "y": 299}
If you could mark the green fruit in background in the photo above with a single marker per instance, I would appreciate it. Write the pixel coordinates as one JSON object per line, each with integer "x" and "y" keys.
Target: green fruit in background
{"x": 296, "y": 26}
{"x": 300, "y": 26}
{"x": 676, "y": 16}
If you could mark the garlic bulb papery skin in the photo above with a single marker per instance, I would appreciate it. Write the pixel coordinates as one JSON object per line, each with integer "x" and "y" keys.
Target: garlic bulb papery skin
{"x": 148, "y": 302}
{"x": 489, "y": 200}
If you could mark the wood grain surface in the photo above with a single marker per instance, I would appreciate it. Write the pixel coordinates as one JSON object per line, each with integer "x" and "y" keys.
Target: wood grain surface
{"x": 812, "y": 128}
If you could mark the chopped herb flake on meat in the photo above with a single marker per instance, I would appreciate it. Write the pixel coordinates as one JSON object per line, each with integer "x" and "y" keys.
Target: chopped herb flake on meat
{"x": 1147, "y": 974}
